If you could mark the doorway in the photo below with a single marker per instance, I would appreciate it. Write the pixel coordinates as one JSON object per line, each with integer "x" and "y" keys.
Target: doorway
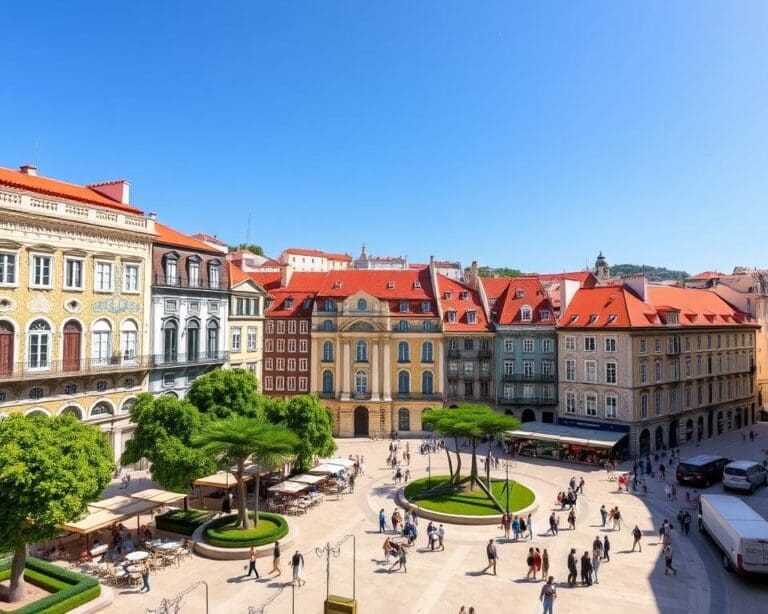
{"x": 361, "y": 421}
{"x": 72, "y": 341}
{"x": 6, "y": 348}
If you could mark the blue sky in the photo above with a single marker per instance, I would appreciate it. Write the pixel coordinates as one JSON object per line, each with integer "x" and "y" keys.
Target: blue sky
{"x": 522, "y": 135}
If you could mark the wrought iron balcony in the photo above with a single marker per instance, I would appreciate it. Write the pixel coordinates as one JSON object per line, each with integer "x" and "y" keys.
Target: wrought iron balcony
{"x": 160, "y": 360}
{"x": 526, "y": 401}
{"x": 485, "y": 353}
{"x": 73, "y": 367}
{"x": 454, "y": 353}
{"x": 416, "y": 396}
{"x": 179, "y": 281}
{"x": 533, "y": 378}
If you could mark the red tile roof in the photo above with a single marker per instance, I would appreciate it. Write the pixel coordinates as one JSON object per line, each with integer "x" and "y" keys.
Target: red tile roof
{"x": 342, "y": 257}
{"x": 269, "y": 280}
{"x": 61, "y": 189}
{"x": 236, "y": 274}
{"x": 507, "y": 295}
{"x": 619, "y": 307}
{"x": 707, "y": 275}
{"x": 169, "y": 236}
{"x": 587, "y": 279}
{"x": 204, "y": 237}
{"x": 280, "y": 300}
{"x": 462, "y": 306}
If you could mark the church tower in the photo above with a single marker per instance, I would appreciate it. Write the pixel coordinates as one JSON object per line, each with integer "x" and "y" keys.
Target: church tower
{"x": 602, "y": 270}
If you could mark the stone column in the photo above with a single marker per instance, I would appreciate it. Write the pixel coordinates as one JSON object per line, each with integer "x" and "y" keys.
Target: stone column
{"x": 346, "y": 367}
{"x": 337, "y": 382}
{"x": 314, "y": 367}
{"x": 374, "y": 371}
{"x": 387, "y": 391}
{"x": 437, "y": 355}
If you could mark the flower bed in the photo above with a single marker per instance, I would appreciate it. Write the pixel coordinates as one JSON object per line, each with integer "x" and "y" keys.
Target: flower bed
{"x": 222, "y": 532}
{"x": 181, "y": 522}
{"x": 69, "y": 589}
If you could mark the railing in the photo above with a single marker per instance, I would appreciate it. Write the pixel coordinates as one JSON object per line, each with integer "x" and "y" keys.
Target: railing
{"x": 418, "y": 396}
{"x": 361, "y": 396}
{"x": 526, "y": 401}
{"x": 533, "y": 378}
{"x": 183, "y": 282}
{"x": 485, "y": 375}
{"x": 413, "y": 328}
{"x": 58, "y": 368}
{"x": 177, "y": 359}
{"x": 327, "y": 395}
{"x": 485, "y": 353}
{"x": 454, "y": 353}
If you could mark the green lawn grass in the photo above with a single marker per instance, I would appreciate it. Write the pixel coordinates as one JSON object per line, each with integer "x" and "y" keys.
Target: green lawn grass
{"x": 222, "y": 532}
{"x": 467, "y": 503}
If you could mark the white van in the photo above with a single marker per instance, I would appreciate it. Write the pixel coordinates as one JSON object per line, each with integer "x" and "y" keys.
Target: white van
{"x": 744, "y": 475}
{"x": 738, "y": 530}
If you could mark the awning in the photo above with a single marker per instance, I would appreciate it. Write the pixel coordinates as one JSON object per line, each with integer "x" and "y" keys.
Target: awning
{"x": 306, "y": 478}
{"x": 155, "y": 495}
{"x": 560, "y": 433}
{"x": 97, "y": 519}
{"x": 288, "y": 487}
{"x": 344, "y": 462}
{"x": 326, "y": 468}
{"x": 222, "y": 479}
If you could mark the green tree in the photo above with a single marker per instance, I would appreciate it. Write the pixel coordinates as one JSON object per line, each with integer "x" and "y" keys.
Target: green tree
{"x": 310, "y": 421}
{"x": 49, "y": 469}
{"x": 222, "y": 393}
{"x": 500, "y": 272}
{"x": 236, "y": 441}
{"x": 165, "y": 427}
{"x": 248, "y": 247}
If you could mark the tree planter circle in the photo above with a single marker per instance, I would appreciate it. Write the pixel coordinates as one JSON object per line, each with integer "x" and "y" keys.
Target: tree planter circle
{"x": 209, "y": 543}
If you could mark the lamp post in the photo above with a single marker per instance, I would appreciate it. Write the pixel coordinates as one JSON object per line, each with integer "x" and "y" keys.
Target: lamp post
{"x": 429, "y": 468}
{"x": 506, "y": 469}
{"x": 335, "y": 550}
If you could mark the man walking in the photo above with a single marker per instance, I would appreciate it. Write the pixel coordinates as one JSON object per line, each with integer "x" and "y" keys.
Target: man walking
{"x": 548, "y": 595}
{"x": 637, "y": 534}
{"x": 552, "y": 524}
{"x": 596, "y": 563}
{"x": 572, "y": 567}
{"x": 586, "y": 569}
{"x": 297, "y": 562}
{"x": 440, "y": 536}
{"x": 145, "y": 576}
{"x": 490, "y": 551}
{"x": 606, "y": 549}
{"x": 668, "y": 560}
{"x": 252, "y": 562}
{"x": 382, "y": 520}
{"x": 603, "y": 513}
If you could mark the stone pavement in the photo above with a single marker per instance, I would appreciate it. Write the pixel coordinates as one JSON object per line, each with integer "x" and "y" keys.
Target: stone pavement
{"x": 440, "y": 582}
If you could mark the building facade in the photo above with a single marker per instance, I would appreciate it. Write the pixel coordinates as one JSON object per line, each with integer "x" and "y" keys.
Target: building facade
{"x": 189, "y": 311}
{"x": 663, "y": 364}
{"x": 246, "y": 322}
{"x": 74, "y": 290}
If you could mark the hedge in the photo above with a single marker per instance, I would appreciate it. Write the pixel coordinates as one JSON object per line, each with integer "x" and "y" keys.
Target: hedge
{"x": 181, "y": 522}
{"x": 221, "y": 532}
{"x": 71, "y": 589}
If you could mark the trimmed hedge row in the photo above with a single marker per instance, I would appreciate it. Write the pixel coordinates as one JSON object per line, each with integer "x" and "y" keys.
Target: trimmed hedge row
{"x": 181, "y": 522}
{"x": 71, "y": 589}
{"x": 221, "y": 532}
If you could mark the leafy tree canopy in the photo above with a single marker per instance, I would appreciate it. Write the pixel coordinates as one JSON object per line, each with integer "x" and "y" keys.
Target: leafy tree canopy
{"x": 310, "y": 421}
{"x": 222, "y": 393}
{"x": 248, "y": 247}
{"x": 499, "y": 272}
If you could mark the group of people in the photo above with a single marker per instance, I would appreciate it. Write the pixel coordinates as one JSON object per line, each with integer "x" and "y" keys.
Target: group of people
{"x": 611, "y": 518}
{"x": 393, "y": 459}
{"x": 517, "y": 525}
{"x": 537, "y": 561}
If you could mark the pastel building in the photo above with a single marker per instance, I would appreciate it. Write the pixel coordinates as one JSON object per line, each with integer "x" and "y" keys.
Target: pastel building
{"x": 246, "y": 321}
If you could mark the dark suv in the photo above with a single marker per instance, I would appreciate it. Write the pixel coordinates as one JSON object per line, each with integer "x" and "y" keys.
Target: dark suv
{"x": 702, "y": 470}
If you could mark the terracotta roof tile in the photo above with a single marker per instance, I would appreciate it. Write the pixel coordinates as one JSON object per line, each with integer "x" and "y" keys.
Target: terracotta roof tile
{"x": 461, "y": 306}
{"x": 507, "y": 295}
{"x": 169, "y": 236}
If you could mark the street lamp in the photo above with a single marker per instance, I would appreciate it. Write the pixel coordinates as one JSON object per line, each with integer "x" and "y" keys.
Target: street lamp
{"x": 506, "y": 486}
{"x": 335, "y": 550}
{"x": 429, "y": 467}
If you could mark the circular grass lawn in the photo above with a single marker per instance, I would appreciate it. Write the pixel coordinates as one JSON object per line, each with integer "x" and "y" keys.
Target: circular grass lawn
{"x": 222, "y": 532}
{"x": 466, "y": 503}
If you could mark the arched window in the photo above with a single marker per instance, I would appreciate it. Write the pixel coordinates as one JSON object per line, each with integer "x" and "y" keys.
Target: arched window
{"x": 127, "y": 404}
{"x": 403, "y": 353}
{"x": 212, "y": 347}
{"x": 402, "y": 326}
{"x": 193, "y": 340}
{"x": 327, "y": 351}
{"x": 427, "y": 383}
{"x": 330, "y": 305}
{"x": 362, "y": 305}
{"x": 102, "y": 408}
{"x": 361, "y": 382}
{"x": 36, "y": 393}
{"x": 403, "y": 419}
{"x": 328, "y": 325}
{"x": 427, "y": 352}
{"x": 404, "y": 382}
{"x": 101, "y": 343}
{"x": 72, "y": 410}
{"x": 170, "y": 341}
{"x": 39, "y": 345}
{"x": 327, "y": 382}
{"x": 129, "y": 335}
{"x": 361, "y": 351}
{"x": 193, "y": 271}
{"x": 171, "y": 266}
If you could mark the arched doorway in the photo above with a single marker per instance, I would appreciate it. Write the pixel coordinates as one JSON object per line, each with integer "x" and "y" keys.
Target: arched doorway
{"x": 645, "y": 442}
{"x": 72, "y": 351}
{"x": 674, "y": 428}
{"x": 6, "y": 348}
{"x": 361, "y": 421}
{"x": 528, "y": 415}
{"x": 659, "y": 437}
{"x": 689, "y": 430}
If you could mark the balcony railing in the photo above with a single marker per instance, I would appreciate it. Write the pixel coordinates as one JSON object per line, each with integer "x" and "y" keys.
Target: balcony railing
{"x": 159, "y": 360}
{"x": 183, "y": 282}
{"x": 526, "y": 401}
{"x": 485, "y": 374}
{"x": 418, "y": 396}
{"x": 485, "y": 353}
{"x": 522, "y": 377}
{"x": 327, "y": 395}
{"x": 73, "y": 367}
{"x": 361, "y": 396}
{"x": 454, "y": 353}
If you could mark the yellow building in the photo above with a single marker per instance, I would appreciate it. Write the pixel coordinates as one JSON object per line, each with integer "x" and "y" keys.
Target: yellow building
{"x": 74, "y": 293}
{"x": 246, "y": 322}
{"x": 376, "y": 350}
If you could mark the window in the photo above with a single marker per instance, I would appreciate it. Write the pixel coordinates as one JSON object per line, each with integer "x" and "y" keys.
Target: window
{"x": 644, "y": 406}
{"x": 292, "y": 345}
{"x": 404, "y": 382}
{"x": 39, "y": 352}
{"x": 269, "y": 364}
{"x": 327, "y": 382}
{"x": 236, "y": 338}
{"x": 303, "y": 345}
{"x": 427, "y": 352}
{"x": 687, "y": 343}
{"x": 103, "y": 277}
{"x": 268, "y": 383}
{"x": 7, "y": 269}
{"x": 590, "y": 371}
{"x": 362, "y": 305}
{"x": 327, "y": 351}
{"x": 428, "y": 325}
{"x": 280, "y": 383}
{"x": 657, "y": 371}
{"x": 659, "y": 402}
{"x": 469, "y": 368}
{"x": 327, "y": 325}
{"x": 102, "y": 408}
{"x": 427, "y": 383}
{"x": 213, "y": 275}
{"x": 361, "y": 351}
{"x": 403, "y": 306}
{"x": 528, "y": 369}
{"x": 129, "y": 334}
{"x": 570, "y": 344}
{"x": 101, "y": 386}
{"x": 73, "y": 273}
{"x": 469, "y": 389}
{"x": 212, "y": 345}
{"x": 193, "y": 271}
{"x": 280, "y": 364}
{"x": 570, "y": 402}
{"x": 169, "y": 379}
{"x": 611, "y": 406}
{"x": 451, "y": 316}
{"x": 280, "y": 345}
{"x": 610, "y": 372}
{"x": 403, "y": 419}
{"x": 610, "y": 344}
{"x": 688, "y": 397}
{"x": 471, "y": 316}
{"x": 527, "y": 346}
{"x": 252, "y": 339}
{"x": 303, "y": 327}
{"x": 570, "y": 370}
{"x": 281, "y": 327}
{"x": 589, "y": 344}
{"x": 509, "y": 345}
{"x": 40, "y": 273}
{"x": 547, "y": 367}
{"x": 529, "y": 391}
{"x": 361, "y": 382}
{"x": 547, "y": 346}
{"x": 425, "y": 306}
{"x": 644, "y": 372}
{"x": 213, "y": 307}
{"x": 688, "y": 366}
{"x": 291, "y": 327}
{"x": 590, "y": 404}
{"x": 101, "y": 350}
{"x": 657, "y": 345}
{"x": 526, "y": 313}
{"x": 469, "y": 345}
{"x": 171, "y": 306}
{"x": 170, "y": 341}
{"x": 509, "y": 367}
{"x": 269, "y": 345}
{"x": 402, "y": 326}
{"x": 303, "y": 364}
{"x": 673, "y": 400}
{"x": 70, "y": 388}
{"x": 291, "y": 364}
{"x": 545, "y": 314}
{"x": 643, "y": 345}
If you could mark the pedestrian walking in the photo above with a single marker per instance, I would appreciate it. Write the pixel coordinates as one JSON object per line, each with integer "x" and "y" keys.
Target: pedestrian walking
{"x": 552, "y": 524}
{"x": 276, "y": 559}
{"x": 297, "y": 563}
{"x": 668, "y": 560}
{"x": 490, "y": 551}
{"x": 548, "y": 595}
{"x": 506, "y": 522}
{"x": 580, "y": 489}
{"x": 544, "y": 563}
{"x": 572, "y": 519}
{"x": 597, "y": 546}
{"x": 382, "y": 521}
{"x": 572, "y": 567}
{"x": 145, "y": 576}
{"x": 440, "y": 536}
{"x": 531, "y": 565}
{"x": 529, "y": 525}
{"x": 637, "y": 534}
{"x": 616, "y": 519}
{"x": 603, "y": 513}
{"x": 606, "y": 549}
{"x": 586, "y": 569}
{"x": 252, "y": 562}
{"x": 537, "y": 562}
{"x": 596, "y": 564}
{"x": 516, "y": 527}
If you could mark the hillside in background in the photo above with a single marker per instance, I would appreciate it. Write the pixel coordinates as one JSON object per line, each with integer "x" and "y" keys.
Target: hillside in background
{"x": 652, "y": 273}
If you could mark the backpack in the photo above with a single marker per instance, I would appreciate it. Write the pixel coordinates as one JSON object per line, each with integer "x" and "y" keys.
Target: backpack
{"x": 522, "y": 525}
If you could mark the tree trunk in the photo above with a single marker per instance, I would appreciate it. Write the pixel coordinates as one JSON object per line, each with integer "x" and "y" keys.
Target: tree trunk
{"x": 450, "y": 464}
{"x": 457, "y": 479}
{"x": 490, "y": 495}
{"x": 242, "y": 501}
{"x": 16, "y": 589}
{"x": 488, "y": 466}
{"x": 186, "y": 504}
{"x": 256, "y": 504}
{"x": 473, "y": 471}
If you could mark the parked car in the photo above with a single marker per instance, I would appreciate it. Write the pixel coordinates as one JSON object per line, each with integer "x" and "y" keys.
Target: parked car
{"x": 744, "y": 475}
{"x": 702, "y": 470}
{"x": 738, "y": 530}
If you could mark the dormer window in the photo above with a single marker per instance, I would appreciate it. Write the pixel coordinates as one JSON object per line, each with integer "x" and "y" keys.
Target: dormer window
{"x": 403, "y": 306}
{"x": 450, "y": 316}
{"x": 492, "y": 301}
{"x": 171, "y": 270}
{"x": 519, "y": 293}
{"x": 672, "y": 317}
{"x": 307, "y": 303}
{"x": 447, "y": 295}
{"x": 545, "y": 314}
{"x": 337, "y": 284}
{"x": 471, "y": 316}
{"x": 592, "y": 318}
{"x": 193, "y": 271}
{"x": 390, "y": 285}
{"x": 362, "y": 305}
{"x": 425, "y": 306}
{"x": 464, "y": 296}
{"x": 526, "y": 313}
{"x": 416, "y": 284}
{"x": 288, "y": 303}
{"x": 573, "y": 319}
{"x": 329, "y": 305}
{"x": 611, "y": 318}
{"x": 213, "y": 275}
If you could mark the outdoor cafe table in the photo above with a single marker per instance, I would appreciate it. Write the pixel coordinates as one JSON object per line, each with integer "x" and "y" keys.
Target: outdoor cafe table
{"x": 167, "y": 546}
{"x": 137, "y": 555}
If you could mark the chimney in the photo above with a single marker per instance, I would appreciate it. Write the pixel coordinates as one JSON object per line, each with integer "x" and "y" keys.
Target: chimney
{"x": 568, "y": 289}
{"x": 285, "y": 274}
{"x": 116, "y": 190}
{"x": 28, "y": 169}
{"x": 638, "y": 284}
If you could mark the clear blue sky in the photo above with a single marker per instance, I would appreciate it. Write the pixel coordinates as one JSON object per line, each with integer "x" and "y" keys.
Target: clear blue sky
{"x": 528, "y": 136}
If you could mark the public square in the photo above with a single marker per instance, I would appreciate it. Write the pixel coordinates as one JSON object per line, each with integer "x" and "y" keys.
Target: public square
{"x": 439, "y": 582}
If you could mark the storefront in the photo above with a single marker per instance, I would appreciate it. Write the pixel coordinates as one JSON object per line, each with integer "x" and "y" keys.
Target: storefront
{"x": 567, "y": 443}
